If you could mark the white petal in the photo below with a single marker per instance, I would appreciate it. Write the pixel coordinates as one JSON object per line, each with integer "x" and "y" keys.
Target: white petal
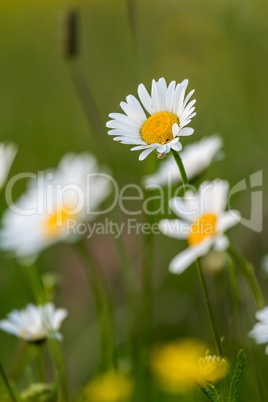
{"x": 187, "y": 207}
{"x": 227, "y": 220}
{"x": 7, "y": 326}
{"x": 133, "y": 109}
{"x": 170, "y": 95}
{"x": 145, "y": 98}
{"x": 163, "y": 149}
{"x": 177, "y": 147}
{"x": 178, "y": 93}
{"x": 125, "y": 133}
{"x": 175, "y": 129}
{"x": 188, "y": 256}
{"x": 58, "y": 316}
{"x": 188, "y": 96}
{"x": 121, "y": 119}
{"x": 145, "y": 153}
{"x": 259, "y": 333}
{"x": 221, "y": 243}
{"x": 186, "y": 131}
{"x": 139, "y": 147}
{"x": 159, "y": 90}
{"x": 262, "y": 315}
{"x": 213, "y": 196}
{"x": 129, "y": 140}
{"x": 174, "y": 228}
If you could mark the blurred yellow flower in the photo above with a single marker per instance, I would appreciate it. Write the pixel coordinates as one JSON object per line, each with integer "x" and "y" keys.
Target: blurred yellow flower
{"x": 212, "y": 368}
{"x": 110, "y": 386}
{"x": 179, "y": 365}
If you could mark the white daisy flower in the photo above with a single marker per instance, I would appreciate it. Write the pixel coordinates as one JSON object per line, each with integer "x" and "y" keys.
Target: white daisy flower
{"x": 35, "y": 323}
{"x": 7, "y": 155}
{"x": 196, "y": 158}
{"x": 260, "y": 329}
{"x": 204, "y": 222}
{"x": 157, "y": 121}
{"x": 53, "y": 206}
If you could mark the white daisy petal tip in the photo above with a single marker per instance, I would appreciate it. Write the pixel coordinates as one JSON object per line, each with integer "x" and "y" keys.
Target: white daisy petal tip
{"x": 168, "y": 114}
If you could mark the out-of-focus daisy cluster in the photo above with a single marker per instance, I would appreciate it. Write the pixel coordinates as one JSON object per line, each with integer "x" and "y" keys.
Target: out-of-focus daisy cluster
{"x": 53, "y": 204}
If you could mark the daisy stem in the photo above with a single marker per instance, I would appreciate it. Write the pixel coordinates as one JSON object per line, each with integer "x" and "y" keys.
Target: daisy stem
{"x": 147, "y": 282}
{"x": 208, "y": 307}
{"x": 7, "y": 385}
{"x": 180, "y": 165}
{"x": 40, "y": 362}
{"x": 56, "y": 352}
{"x": 130, "y": 290}
{"x": 104, "y": 315}
{"x": 235, "y": 296}
{"x": 185, "y": 183}
{"x": 36, "y": 284}
{"x": 248, "y": 270}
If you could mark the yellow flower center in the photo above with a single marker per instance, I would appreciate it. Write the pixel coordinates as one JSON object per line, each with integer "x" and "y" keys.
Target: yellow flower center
{"x": 203, "y": 227}
{"x": 57, "y": 222}
{"x": 158, "y": 128}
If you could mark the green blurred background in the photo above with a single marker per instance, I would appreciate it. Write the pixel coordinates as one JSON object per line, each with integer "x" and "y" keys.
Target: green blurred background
{"x": 220, "y": 46}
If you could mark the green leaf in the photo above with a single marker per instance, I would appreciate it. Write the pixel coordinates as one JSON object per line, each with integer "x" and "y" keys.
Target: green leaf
{"x": 238, "y": 372}
{"x": 210, "y": 392}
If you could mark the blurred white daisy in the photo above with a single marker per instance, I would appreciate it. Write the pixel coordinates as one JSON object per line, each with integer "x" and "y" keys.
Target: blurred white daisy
{"x": 7, "y": 155}
{"x": 157, "y": 121}
{"x": 35, "y": 323}
{"x": 196, "y": 158}
{"x": 204, "y": 222}
{"x": 260, "y": 329}
{"x": 54, "y": 205}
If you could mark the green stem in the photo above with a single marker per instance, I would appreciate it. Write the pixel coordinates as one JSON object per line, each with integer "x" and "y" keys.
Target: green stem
{"x": 233, "y": 284}
{"x": 208, "y": 306}
{"x": 178, "y": 160}
{"x": 235, "y": 296}
{"x": 7, "y": 385}
{"x": 248, "y": 270}
{"x": 127, "y": 274}
{"x": 125, "y": 266}
{"x": 36, "y": 284}
{"x": 185, "y": 183}
{"x": 56, "y": 352}
{"x": 103, "y": 306}
{"x": 40, "y": 362}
